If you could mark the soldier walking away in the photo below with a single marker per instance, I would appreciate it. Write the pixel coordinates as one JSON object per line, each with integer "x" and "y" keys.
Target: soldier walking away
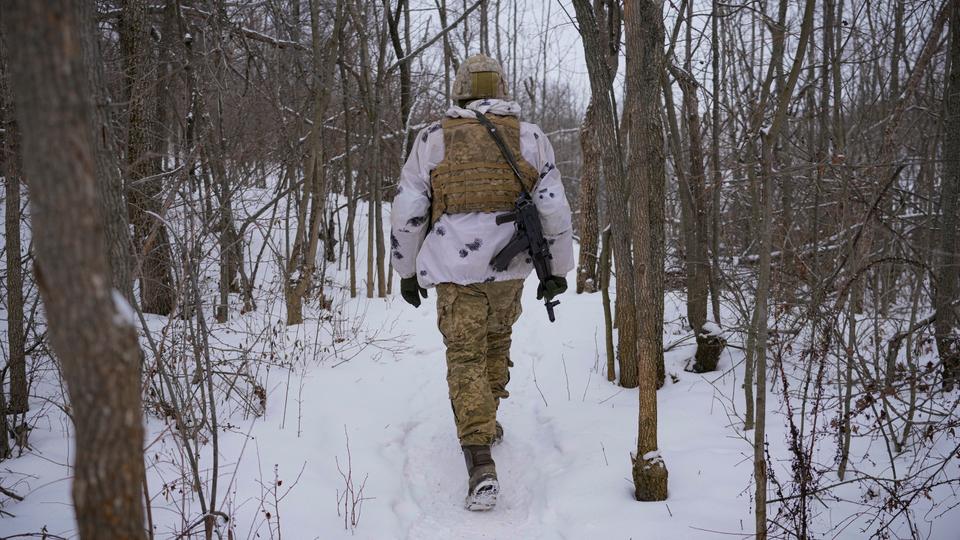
{"x": 457, "y": 180}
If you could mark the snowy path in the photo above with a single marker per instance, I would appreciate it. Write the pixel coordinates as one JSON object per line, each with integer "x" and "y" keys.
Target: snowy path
{"x": 564, "y": 464}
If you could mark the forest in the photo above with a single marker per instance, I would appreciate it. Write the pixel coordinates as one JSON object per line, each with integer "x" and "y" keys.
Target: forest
{"x": 203, "y": 332}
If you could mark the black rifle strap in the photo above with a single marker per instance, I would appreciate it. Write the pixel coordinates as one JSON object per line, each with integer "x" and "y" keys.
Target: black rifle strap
{"x": 507, "y": 154}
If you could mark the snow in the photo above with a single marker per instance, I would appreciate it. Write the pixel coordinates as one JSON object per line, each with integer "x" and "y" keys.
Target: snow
{"x": 357, "y": 404}
{"x": 125, "y": 315}
{"x": 564, "y": 463}
{"x": 710, "y": 329}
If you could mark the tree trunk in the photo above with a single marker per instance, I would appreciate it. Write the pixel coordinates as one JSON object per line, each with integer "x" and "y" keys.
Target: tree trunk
{"x": 607, "y": 13}
{"x": 226, "y": 248}
{"x": 303, "y": 257}
{"x": 643, "y": 22}
{"x": 698, "y": 264}
{"x": 392, "y": 17}
{"x": 113, "y": 207}
{"x": 759, "y": 331}
{"x": 90, "y": 326}
{"x": 349, "y": 182}
{"x": 696, "y": 247}
{"x": 380, "y": 89}
{"x": 618, "y": 192}
{"x": 715, "y": 161}
{"x": 947, "y": 324}
{"x": 589, "y": 173}
{"x": 760, "y": 343}
{"x": 17, "y": 361}
{"x": 157, "y": 293}
{"x": 230, "y": 245}
{"x": 10, "y": 168}
{"x": 607, "y": 316}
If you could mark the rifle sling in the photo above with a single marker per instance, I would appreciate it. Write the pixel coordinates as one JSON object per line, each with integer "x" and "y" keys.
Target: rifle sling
{"x": 507, "y": 154}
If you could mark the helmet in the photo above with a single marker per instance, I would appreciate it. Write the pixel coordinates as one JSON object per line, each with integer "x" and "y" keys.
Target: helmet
{"x": 479, "y": 77}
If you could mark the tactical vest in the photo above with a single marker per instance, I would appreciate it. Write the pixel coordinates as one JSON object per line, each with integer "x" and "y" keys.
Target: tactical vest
{"x": 474, "y": 176}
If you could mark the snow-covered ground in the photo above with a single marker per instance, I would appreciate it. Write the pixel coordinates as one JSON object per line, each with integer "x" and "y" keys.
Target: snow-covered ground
{"x": 373, "y": 374}
{"x": 564, "y": 464}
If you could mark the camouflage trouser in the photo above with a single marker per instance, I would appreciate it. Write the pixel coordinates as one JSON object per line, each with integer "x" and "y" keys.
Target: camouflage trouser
{"x": 476, "y": 321}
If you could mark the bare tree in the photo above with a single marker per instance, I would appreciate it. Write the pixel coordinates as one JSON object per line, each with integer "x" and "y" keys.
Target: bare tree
{"x": 643, "y": 23}
{"x": 947, "y": 325}
{"x": 113, "y": 206}
{"x": 609, "y": 23}
{"x": 91, "y": 326}
{"x": 144, "y": 173}
{"x": 716, "y": 190}
{"x": 618, "y": 194}
{"x": 10, "y": 166}
{"x": 302, "y": 262}
{"x": 692, "y": 188}
{"x": 769, "y": 137}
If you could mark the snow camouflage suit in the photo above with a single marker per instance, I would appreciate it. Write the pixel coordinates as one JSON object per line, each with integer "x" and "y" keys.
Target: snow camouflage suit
{"x": 476, "y": 306}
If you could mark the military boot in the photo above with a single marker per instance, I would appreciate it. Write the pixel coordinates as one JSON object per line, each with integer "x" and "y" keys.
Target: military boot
{"x": 483, "y": 486}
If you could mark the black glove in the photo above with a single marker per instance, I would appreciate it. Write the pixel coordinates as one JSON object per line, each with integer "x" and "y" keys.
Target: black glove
{"x": 551, "y": 287}
{"x": 411, "y": 291}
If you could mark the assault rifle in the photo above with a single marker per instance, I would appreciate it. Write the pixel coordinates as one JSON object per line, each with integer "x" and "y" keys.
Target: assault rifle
{"x": 529, "y": 234}
{"x": 528, "y": 238}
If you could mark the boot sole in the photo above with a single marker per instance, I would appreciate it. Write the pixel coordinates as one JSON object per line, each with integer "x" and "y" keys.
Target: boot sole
{"x": 484, "y": 497}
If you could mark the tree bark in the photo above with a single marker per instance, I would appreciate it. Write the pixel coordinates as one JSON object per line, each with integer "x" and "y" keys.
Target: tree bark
{"x": 90, "y": 327}
{"x": 698, "y": 265}
{"x": 113, "y": 207}
{"x": 643, "y": 23}
{"x": 349, "y": 180}
{"x": 10, "y": 167}
{"x": 607, "y": 316}
{"x": 609, "y": 18}
{"x": 392, "y": 17}
{"x": 947, "y": 324}
{"x": 157, "y": 293}
{"x": 715, "y": 161}
{"x": 618, "y": 192}
{"x": 589, "y": 228}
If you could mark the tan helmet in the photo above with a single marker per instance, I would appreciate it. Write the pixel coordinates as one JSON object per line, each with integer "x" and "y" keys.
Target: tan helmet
{"x": 479, "y": 77}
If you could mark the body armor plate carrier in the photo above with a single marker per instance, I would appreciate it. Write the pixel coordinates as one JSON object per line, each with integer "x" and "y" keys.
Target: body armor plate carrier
{"x": 474, "y": 176}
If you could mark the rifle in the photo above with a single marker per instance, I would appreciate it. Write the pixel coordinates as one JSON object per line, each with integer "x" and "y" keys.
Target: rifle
{"x": 529, "y": 232}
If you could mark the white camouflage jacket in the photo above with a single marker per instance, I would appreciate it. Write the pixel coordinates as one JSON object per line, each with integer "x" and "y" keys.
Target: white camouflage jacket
{"x": 458, "y": 248}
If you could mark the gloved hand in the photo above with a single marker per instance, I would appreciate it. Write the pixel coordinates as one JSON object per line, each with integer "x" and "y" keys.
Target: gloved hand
{"x": 411, "y": 291}
{"x": 553, "y": 286}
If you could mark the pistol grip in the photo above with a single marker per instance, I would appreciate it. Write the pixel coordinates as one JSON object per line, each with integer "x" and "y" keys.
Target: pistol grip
{"x": 550, "y": 306}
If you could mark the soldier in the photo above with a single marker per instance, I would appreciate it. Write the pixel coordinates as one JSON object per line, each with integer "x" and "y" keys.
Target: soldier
{"x": 453, "y": 185}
